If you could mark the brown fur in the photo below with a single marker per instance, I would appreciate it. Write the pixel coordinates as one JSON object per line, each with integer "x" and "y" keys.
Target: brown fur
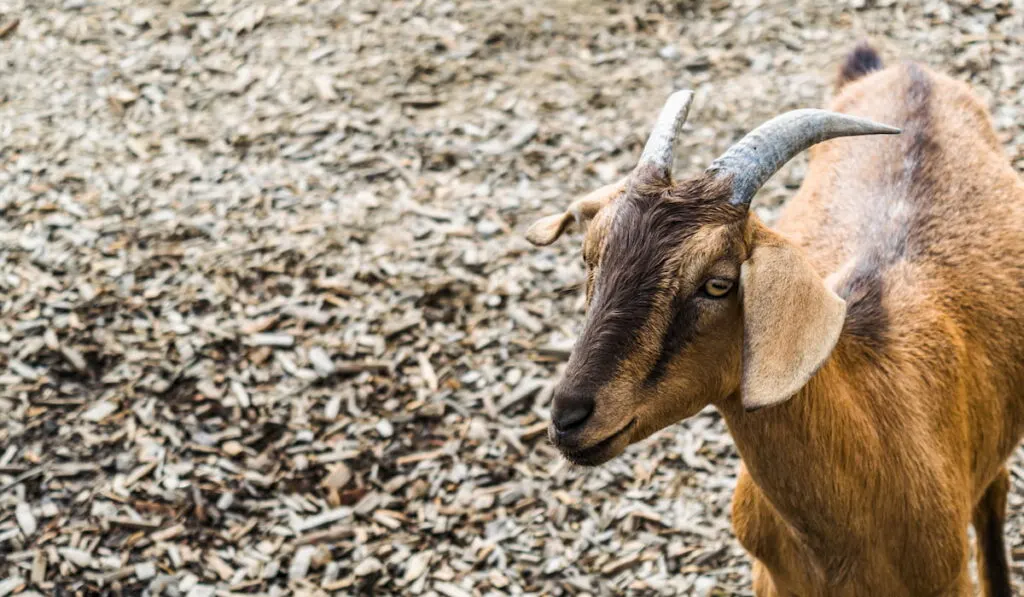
{"x": 908, "y": 426}
{"x": 865, "y": 481}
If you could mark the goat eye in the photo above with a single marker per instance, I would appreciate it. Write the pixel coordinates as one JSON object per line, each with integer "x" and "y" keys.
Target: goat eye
{"x": 717, "y": 287}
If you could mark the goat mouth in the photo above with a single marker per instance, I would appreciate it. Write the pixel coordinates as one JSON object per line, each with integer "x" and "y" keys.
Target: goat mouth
{"x": 602, "y": 451}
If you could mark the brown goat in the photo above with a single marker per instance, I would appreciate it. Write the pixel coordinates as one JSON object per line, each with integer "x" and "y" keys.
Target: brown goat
{"x": 866, "y": 354}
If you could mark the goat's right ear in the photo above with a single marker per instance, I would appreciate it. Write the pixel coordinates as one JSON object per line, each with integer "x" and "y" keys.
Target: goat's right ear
{"x": 547, "y": 229}
{"x": 791, "y": 322}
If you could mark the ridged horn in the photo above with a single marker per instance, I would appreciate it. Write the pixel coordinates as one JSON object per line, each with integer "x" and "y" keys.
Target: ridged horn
{"x": 752, "y": 160}
{"x": 658, "y": 150}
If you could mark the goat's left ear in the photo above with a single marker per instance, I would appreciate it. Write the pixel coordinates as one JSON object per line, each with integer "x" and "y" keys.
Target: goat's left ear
{"x": 547, "y": 229}
{"x": 791, "y": 322}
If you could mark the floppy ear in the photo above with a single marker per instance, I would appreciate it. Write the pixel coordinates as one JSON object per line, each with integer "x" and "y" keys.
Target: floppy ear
{"x": 791, "y": 323}
{"x": 547, "y": 229}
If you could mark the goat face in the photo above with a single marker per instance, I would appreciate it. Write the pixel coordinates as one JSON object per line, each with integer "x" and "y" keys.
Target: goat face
{"x": 668, "y": 329}
{"x": 662, "y": 332}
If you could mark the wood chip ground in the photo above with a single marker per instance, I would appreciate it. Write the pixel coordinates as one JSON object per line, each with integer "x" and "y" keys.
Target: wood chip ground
{"x": 268, "y": 324}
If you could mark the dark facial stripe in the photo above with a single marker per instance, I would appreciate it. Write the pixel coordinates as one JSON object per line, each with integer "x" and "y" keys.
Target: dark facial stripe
{"x": 624, "y": 295}
{"x": 681, "y": 330}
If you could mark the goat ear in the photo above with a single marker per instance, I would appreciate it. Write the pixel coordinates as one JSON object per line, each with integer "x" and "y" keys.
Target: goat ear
{"x": 791, "y": 323}
{"x": 547, "y": 229}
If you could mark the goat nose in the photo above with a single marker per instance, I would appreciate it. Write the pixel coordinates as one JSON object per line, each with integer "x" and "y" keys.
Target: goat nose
{"x": 571, "y": 411}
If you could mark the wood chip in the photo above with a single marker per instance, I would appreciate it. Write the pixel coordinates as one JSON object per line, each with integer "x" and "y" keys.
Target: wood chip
{"x": 323, "y": 518}
{"x": 276, "y": 340}
{"x": 145, "y": 570}
{"x": 427, "y": 371}
{"x": 78, "y": 557}
{"x": 26, "y": 520}
{"x": 169, "y": 533}
{"x": 367, "y": 567}
{"x": 8, "y": 27}
{"x": 417, "y": 565}
{"x": 338, "y": 477}
{"x": 10, "y": 585}
{"x": 321, "y": 362}
{"x": 299, "y": 567}
{"x": 419, "y": 457}
{"x": 99, "y": 411}
{"x": 451, "y": 590}
{"x": 620, "y": 564}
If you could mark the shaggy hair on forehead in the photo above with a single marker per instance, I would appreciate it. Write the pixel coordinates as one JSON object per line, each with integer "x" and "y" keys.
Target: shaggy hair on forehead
{"x": 650, "y": 223}
{"x": 655, "y": 217}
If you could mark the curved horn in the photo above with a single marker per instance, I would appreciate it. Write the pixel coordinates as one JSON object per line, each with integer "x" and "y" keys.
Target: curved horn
{"x": 760, "y": 154}
{"x": 658, "y": 151}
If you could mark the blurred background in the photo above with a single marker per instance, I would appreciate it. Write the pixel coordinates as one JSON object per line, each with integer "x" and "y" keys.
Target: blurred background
{"x": 267, "y": 321}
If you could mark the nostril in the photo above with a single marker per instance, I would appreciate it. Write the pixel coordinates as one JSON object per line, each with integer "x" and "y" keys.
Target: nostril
{"x": 572, "y": 415}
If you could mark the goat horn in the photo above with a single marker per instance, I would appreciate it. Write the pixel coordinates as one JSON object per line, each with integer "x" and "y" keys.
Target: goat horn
{"x": 658, "y": 151}
{"x": 756, "y": 157}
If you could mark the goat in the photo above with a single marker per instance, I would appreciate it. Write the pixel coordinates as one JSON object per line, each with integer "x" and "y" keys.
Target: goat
{"x": 866, "y": 354}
